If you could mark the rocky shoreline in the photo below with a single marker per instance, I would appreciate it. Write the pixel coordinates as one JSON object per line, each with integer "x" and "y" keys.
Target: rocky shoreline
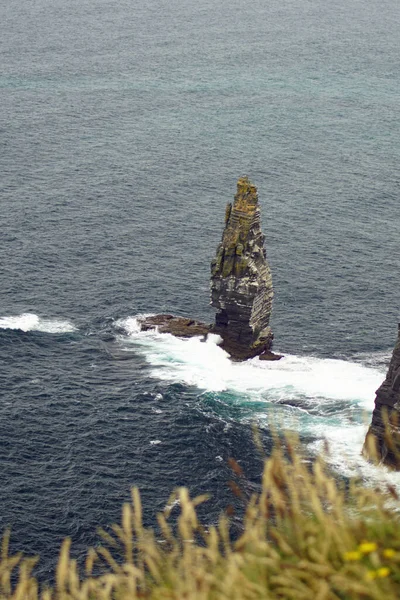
{"x": 187, "y": 328}
{"x": 382, "y": 442}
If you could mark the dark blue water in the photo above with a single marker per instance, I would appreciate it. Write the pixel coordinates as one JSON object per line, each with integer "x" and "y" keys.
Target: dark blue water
{"x": 123, "y": 130}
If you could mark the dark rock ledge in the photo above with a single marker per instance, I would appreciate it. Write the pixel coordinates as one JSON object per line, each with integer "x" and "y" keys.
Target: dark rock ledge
{"x": 382, "y": 442}
{"x": 241, "y": 286}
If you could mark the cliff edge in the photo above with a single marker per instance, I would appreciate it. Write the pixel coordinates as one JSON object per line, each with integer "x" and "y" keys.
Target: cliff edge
{"x": 383, "y": 438}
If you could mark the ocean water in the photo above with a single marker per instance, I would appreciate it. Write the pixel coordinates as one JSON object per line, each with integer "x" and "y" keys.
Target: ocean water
{"x": 123, "y": 129}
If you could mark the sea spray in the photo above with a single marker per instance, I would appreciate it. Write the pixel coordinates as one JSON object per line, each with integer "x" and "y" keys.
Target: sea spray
{"x": 323, "y": 399}
{"x": 32, "y": 322}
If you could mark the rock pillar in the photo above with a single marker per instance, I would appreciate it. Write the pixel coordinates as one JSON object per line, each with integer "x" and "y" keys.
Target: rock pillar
{"x": 241, "y": 283}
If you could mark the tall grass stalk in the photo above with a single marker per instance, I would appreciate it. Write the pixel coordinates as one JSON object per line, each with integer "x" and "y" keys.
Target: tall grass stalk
{"x": 304, "y": 536}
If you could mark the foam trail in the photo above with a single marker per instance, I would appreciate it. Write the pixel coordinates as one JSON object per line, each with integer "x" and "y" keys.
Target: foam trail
{"x": 345, "y": 444}
{"x": 31, "y": 322}
{"x": 190, "y": 361}
{"x": 207, "y": 366}
{"x": 325, "y": 399}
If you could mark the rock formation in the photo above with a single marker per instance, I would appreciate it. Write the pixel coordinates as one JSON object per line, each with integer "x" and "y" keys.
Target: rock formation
{"x": 383, "y": 438}
{"x": 179, "y": 326}
{"x": 241, "y": 286}
{"x": 241, "y": 283}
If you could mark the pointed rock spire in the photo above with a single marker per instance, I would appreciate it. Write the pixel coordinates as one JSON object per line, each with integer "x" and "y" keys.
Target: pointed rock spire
{"x": 241, "y": 283}
{"x": 241, "y": 286}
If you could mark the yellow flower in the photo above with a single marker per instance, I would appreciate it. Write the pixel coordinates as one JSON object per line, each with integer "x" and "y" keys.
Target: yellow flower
{"x": 383, "y": 572}
{"x": 389, "y": 552}
{"x": 371, "y": 575}
{"x": 354, "y": 555}
{"x": 367, "y": 547}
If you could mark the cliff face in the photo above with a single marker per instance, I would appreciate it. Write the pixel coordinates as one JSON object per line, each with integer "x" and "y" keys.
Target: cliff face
{"x": 241, "y": 283}
{"x": 384, "y": 432}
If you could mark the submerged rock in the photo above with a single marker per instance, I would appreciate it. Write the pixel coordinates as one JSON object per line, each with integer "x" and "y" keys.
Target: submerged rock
{"x": 383, "y": 438}
{"x": 241, "y": 286}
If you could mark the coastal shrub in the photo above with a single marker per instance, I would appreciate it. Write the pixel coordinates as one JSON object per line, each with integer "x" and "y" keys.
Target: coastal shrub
{"x": 304, "y": 536}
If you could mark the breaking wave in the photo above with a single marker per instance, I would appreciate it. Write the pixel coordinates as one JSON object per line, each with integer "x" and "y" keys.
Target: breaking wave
{"x": 320, "y": 398}
{"x": 31, "y": 322}
{"x": 205, "y": 365}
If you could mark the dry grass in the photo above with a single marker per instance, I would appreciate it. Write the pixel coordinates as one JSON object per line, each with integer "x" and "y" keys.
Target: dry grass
{"x": 304, "y": 537}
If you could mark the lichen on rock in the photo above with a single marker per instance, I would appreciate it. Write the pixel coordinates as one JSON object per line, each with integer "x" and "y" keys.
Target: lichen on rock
{"x": 241, "y": 283}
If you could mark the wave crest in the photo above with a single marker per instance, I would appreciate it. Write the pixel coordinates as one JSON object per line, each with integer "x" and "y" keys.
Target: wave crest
{"x": 31, "y": 322}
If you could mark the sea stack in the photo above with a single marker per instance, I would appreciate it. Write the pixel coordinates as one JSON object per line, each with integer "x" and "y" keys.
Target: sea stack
{"x": 241, "y": 282}
{"x": 241, "y": 286}
{"x": 383, "y": 438}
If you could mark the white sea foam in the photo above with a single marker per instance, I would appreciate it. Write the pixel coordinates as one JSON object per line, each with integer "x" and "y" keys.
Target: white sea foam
{"x": 32, "y": 322}
{"x": 131, "y": 324}
{"x": 323, "y": 398}
{"x": 205, "y": 365}
{"x": 345, "y": 444}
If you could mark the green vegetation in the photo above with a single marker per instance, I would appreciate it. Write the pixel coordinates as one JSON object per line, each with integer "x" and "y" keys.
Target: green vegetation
{"x": 304, "y": 537}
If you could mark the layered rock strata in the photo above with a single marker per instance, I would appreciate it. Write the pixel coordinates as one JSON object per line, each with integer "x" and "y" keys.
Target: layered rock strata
{"x": 241, "y": 286}
{"x": 241, "y": 283}
{"x": 383, "y": 438}
{"x": 179, "y": 326}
